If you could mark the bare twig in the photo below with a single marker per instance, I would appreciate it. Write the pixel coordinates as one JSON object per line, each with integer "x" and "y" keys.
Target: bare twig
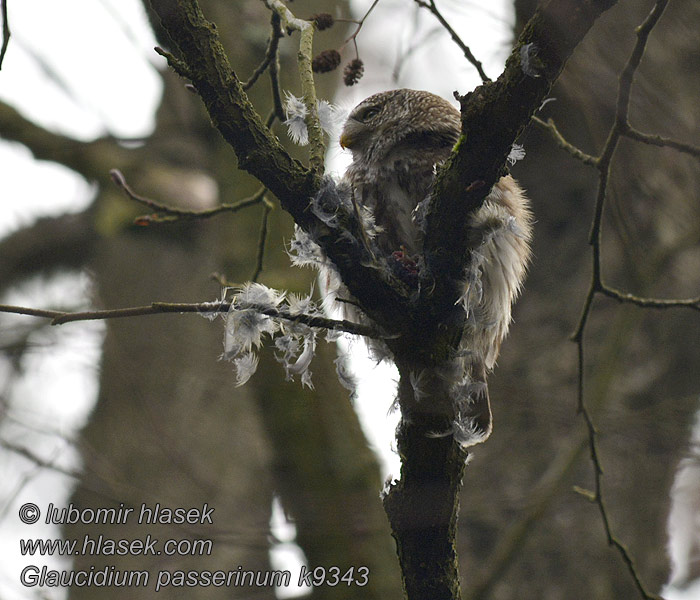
{"x": 270, "y": 53}
{"x": 267, "y": 208}
{"x": 603, "y": 164}
{"x": 430, "y": 5}
{"x": 624, "y": 297}
{"x": 360, "y": 23}
{"x": 38, "y": 461}
{"x": 549, "y": 125}
{"x": 657, "y": 140}
{"x": 278, "y": 109}
{"x": 306, "y": 30}
{"x": 156, "y": 308}
{"x": 172, "y": 214}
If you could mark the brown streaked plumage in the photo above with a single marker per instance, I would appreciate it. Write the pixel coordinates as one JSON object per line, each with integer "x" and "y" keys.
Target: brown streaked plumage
{"x": 397, "y": 139}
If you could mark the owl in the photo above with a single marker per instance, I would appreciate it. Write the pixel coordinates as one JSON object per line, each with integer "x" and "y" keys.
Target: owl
{"x": 398, "y": 139}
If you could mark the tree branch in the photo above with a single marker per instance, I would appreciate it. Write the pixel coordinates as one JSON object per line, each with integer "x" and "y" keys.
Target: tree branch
{"x": 59, "y": 317}
{"x": 604, "y": 164}
{"x": 430, "y": 5}
{"x": 92, "y": 160}
{"x": 170, "y": 213}
{"x": 657, "y": 140}
{"x": 259, "y": 152}
{"x": 493, "y": 116}
{"x": 561, "y": 141}
{"x": 50, "y": 243}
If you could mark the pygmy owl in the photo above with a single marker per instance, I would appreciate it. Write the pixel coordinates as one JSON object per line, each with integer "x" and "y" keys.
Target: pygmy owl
{"x": 397, "y": 139}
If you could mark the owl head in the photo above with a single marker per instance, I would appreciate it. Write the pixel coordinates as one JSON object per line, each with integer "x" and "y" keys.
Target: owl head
{"x": 401, "y": 124}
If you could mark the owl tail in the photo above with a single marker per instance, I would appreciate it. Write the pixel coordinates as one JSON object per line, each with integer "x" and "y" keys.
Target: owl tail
{"x": 473, "y": 423}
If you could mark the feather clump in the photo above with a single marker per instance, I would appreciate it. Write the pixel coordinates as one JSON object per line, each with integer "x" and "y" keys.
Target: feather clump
{"x": 247, "y": 324}
{"x": 329, "y": 117}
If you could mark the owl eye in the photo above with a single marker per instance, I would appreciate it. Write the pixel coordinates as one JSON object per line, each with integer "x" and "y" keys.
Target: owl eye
{"x": 368, "y": 113}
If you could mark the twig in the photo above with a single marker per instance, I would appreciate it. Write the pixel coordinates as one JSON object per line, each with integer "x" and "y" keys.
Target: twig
{"x": 270, "y": 53}
{"x": 5, "y": 31}
{"x": 308, "y": 89}
{"x": 549, "y": 125}
{"x": 657, "y": 140}
{"x": 37, "y": 460}
{"x": 455, "y": 38}
{"x": 360, "y": 23}
{"x": 278, "y": 109}
{"x": 156, "y": 308}
{"x": 624, "y": 297}
{"x": 603, "y": 164}
{"x": 173, "y": 214}
{"x": 267, "y": 208}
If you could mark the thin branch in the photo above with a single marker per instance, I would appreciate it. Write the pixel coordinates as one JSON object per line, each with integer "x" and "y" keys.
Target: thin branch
{"x": 270, "y": 53}
{"x": 455, "y": 38}
{"x": 157, "y": 308}
{"x": 173, "y": 214}
{"x": 600, "y": 501}
{"x": 360, "y": 23}
{"x": 657, "y": 140}
{"x": 278, "y": 109}
{"x": 603, "y": 164}
{"x": 549, "y": 125}
{"x": 5, "y": 31}
{"x": 38, "y": 461}
{"x": 267, "y": 208}
{"x": 624, "y": 297}
{"x": 306, "y": 75}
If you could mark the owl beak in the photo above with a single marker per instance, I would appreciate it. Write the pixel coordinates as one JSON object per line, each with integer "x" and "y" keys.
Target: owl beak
{"x": 345, "y": 141}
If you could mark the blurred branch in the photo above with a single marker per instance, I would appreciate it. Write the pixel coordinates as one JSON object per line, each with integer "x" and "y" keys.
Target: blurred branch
{"x": 5, "y": 31}
{"x": 38, "y": 461}
{"x": 92, "y": 160}
{"x": 174, "y": 214}
{"x": 157, "y": 308}
{"x": 430, "y": 5}
{"x": 539, "y": 500}
{"x": 48, "y": 244}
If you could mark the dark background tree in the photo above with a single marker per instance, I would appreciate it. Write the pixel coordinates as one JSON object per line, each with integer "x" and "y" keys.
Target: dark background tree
{"x": 521, "y": 515}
